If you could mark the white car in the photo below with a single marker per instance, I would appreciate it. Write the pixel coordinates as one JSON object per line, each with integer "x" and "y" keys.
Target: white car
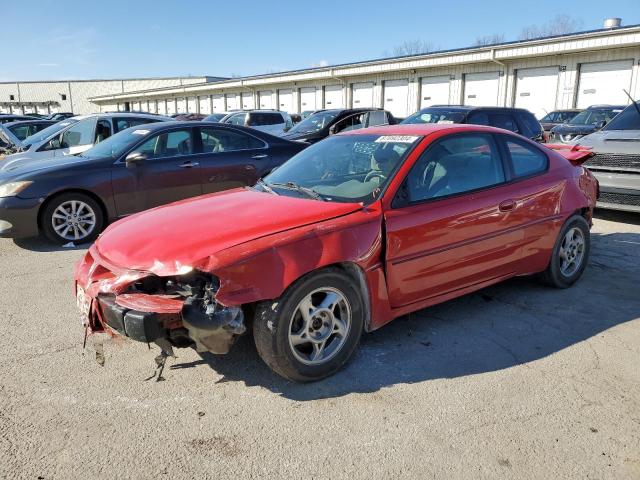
{"x": 270, "y": 121}
{"x": 76, "y": 135}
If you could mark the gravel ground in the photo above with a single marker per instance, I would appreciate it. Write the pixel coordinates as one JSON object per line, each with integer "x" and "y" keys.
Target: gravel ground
{"x": 515, "y": 381}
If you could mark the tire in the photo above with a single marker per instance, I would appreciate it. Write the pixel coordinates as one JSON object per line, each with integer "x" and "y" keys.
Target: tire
{"x": 82, "y": 229}
{"x": 557, "y": 274}
{"x": 309, "y": 350}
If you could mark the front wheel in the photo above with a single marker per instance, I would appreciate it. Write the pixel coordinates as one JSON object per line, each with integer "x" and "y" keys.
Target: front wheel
{"x": 570, "y": 254}
{"x": 72, "y": 217}
{"x": 313, "y": 329}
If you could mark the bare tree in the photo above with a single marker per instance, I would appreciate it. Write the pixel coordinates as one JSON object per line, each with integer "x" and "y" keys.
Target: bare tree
{"x": 489, "y": 40}
{"x": 559, "y": 25}
{"x": 412, "y": 47}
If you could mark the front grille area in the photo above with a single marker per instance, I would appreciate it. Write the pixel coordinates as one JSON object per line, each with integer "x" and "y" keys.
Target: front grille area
{"x": 617, "y": 161}
{"x": 620, "y": 198}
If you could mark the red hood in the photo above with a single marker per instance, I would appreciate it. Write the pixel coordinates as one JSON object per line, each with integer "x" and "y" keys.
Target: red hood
{"x": 166, "y": 239}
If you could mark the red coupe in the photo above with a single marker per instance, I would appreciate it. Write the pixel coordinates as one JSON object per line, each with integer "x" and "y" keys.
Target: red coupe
{"x": 347, "y": 235}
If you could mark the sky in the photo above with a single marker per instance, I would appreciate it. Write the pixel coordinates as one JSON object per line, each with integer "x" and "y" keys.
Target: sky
{"x": 65, "y": 39}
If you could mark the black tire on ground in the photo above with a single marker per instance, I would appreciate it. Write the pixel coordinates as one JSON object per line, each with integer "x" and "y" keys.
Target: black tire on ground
{"x": 68, "y": 199}
{"x": 554, "y": 275}
{"x": 273, "y": 323}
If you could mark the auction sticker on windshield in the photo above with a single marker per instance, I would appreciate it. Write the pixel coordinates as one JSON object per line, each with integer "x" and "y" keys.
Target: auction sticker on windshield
{"x": 140, "y": 132}
{"x": 397, "y": 138}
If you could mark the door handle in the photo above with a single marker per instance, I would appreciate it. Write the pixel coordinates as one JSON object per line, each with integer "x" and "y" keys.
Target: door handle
{"x": 189, "y": 164}
{"x": 260, "y": 155}
{"x": 507, "y": 205}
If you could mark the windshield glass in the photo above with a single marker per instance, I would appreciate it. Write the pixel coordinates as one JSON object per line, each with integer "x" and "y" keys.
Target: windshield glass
{"x": 435, "y": 115}
{"x": 314, "y": 123}
{"x": 628, "y": 119}
{"x": 48, "y": 132}
{"x": 591, "y": 117}
{"x": 344, "y": 168}
{"x": 117, "y": 144}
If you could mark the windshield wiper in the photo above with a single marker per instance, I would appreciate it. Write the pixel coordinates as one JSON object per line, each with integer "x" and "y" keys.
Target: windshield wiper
{"x": 310, "y": 192}
{"x": 266, "y": 187}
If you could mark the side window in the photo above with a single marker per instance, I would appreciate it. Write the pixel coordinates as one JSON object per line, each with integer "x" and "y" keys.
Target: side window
{"x": 531, "y": 126}
{"x": 454, "y": 165}
{"x": 354, "y": 122}
{"x": 526, "y": 159}
{"x": 170, "y": 144}
{"x": 82, "y": 133}
{"x": 124, "y": 123}
{"x": 478, "y": 118}
{"x": 237, "y": 119}
{"x": 264, "y": 119}
{"x": 377, "y": 117}
{"x": 221, "y": 140}
{"x": 103, "y": 130}
{"x": 501, "y": 120}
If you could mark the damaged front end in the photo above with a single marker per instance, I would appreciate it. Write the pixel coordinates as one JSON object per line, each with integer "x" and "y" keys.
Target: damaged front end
{"x": 176, "y": 311}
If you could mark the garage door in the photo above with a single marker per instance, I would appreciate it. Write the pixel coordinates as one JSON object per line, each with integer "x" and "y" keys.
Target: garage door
{"x": 247, "y": 101}
{"x": 266, "y": 99}
{"x": 232, "y": 102}
{"x": 481, "y": 89}
{"x": 162, "y": 107}
{"x": 204, "y": 103}
{"x": 29, "y": 109}
{"x": 333, "y": 97}
{"x": 171, "y": 106}
{"x": 434, "y": 91}
{"x": 362, "y": 95}
{"x": 536, "y": 90}
{"x": 307, "y": 99}
{"x": 151, "y": 106}
{"x": 181, "y": 105}
{"x": 192, "y": 105}
{"x": 604, "y": 83}
{"x": 396, "y": 97}
{"x": 42, "y": 110}
{"x": 217, "y": 102}
{"x": 285, "y": 100}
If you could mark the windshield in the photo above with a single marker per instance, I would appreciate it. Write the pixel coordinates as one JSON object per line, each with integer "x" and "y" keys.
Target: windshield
{"x": 628, "y": 119}
{"x": 435, "y": 115}
{"x": 343, "y": 168}
{"x": 117, "y": 144}
{"x": 591, "y": 117}
{"x": 48, "y": 132}
{"x": 314, "y": 123}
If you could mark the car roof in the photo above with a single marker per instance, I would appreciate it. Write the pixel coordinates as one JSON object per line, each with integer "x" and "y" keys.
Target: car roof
{"x": 421, "y": 129}
{"x": 29, "y": 122}
{"x": 606, "y": 107}
{"x": 468, "y": 108}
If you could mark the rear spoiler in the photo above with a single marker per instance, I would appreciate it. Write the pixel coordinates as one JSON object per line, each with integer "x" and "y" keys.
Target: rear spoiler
{"x": 576, "y": 154}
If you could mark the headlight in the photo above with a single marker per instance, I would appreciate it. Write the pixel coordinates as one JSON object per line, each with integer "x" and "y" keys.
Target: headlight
{"x": 12, "y": 188}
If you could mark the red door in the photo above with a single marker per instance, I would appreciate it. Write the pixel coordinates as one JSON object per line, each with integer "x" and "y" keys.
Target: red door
{"x": 456, "y": 222}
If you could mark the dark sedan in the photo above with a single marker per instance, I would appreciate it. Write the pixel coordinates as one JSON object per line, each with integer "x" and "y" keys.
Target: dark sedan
{"x": 6, "y": 118}
{"x": 328, "y": 122}
{"x": 586, "y": 122}
{"x": 73, "y": 199}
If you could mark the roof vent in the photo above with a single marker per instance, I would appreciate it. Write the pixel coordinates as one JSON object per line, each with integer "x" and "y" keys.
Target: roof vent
{"x": 612, "y": 22}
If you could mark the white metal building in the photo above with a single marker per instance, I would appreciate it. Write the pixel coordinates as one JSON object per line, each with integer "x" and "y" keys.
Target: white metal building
{"x": 575, "y": 70}
{"x": 73, "y": 95}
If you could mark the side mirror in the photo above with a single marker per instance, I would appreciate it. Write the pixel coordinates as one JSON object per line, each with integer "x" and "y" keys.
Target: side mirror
{"x": 134, "y": 158}
{"x": 601, "y": 124}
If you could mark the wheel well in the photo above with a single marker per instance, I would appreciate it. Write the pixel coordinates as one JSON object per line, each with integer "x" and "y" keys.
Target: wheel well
{"x": 585, "y": 213}
{"x": 92, "y": 195}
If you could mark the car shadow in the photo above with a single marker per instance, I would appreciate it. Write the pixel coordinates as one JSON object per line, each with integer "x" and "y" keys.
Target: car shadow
{"x": 41, "y": 244}
{"x": 617, "y": 216}
{"x": 513, "y": 323}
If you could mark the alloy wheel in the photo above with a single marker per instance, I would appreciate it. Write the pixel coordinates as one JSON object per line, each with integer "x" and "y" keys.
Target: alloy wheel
{"x": 571, "y": 252}
{"x": 319, "y": 326}
{"x": 73, "y": 220}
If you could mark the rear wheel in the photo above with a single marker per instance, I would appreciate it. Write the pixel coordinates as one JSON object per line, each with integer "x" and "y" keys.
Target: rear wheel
{"x": 570, "y": 254}
{"x": 72, "y": 217}
{"x": 313, "y": 329}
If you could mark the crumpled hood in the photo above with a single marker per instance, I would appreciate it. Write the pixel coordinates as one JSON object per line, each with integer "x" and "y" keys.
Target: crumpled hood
{"x": 168, "y": 240}
{"x": 613, "y": 141}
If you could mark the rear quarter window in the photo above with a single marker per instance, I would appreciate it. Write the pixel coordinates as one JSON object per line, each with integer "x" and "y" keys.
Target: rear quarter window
{"x": 526, "y": 159}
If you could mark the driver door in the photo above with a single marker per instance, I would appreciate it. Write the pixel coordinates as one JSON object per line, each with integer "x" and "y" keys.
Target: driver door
{"x": 169, "y": 172}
